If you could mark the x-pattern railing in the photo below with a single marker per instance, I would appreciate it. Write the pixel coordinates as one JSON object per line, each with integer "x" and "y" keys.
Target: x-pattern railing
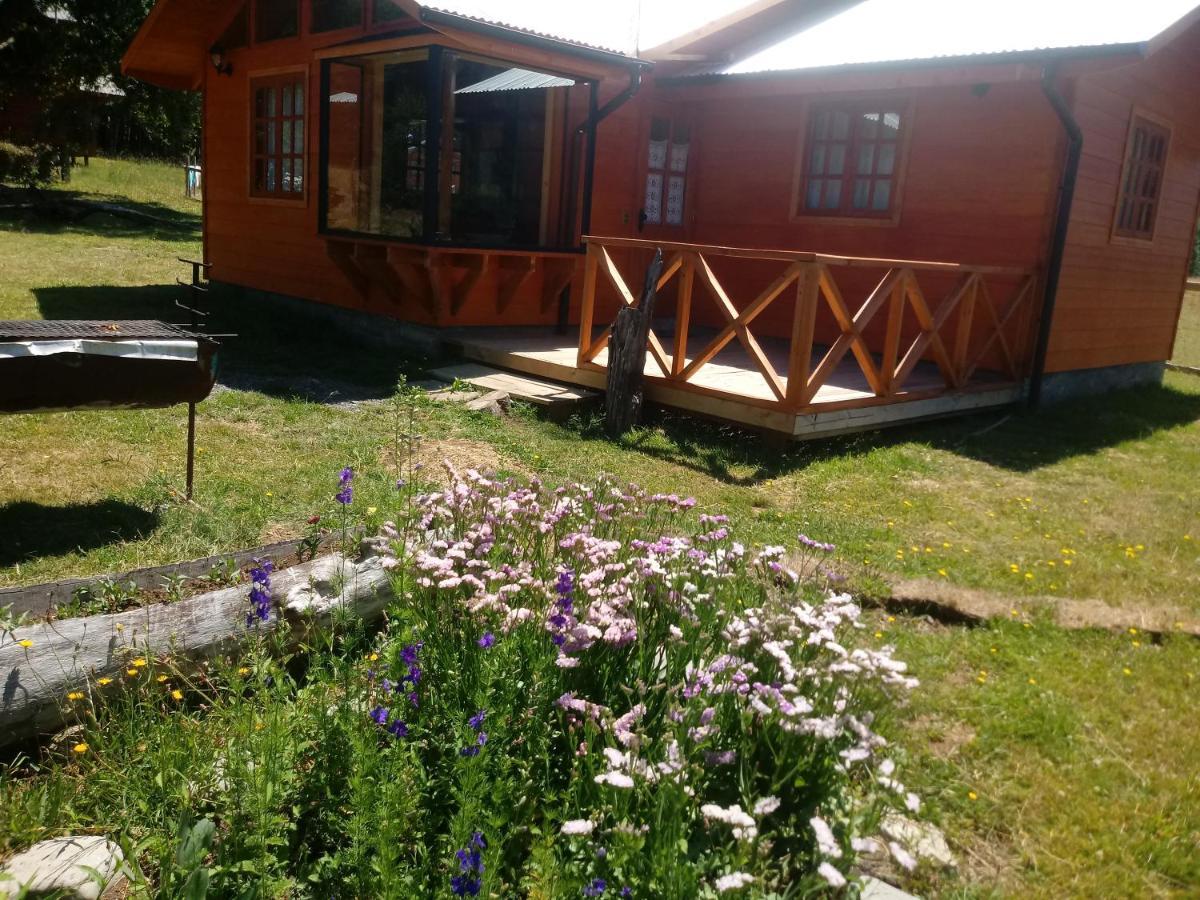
{"x": 898, "y": 290}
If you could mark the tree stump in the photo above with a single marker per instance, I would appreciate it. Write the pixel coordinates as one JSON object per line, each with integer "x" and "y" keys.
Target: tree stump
{"x": 627, "y": 356}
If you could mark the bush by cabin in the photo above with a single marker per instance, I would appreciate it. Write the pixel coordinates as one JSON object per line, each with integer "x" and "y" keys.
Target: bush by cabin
{"x": 871, "y": 211}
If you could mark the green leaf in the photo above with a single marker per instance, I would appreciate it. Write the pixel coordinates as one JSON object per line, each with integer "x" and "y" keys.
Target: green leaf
{"x": 196, "y": 887}
{"x": 194, "y": 845}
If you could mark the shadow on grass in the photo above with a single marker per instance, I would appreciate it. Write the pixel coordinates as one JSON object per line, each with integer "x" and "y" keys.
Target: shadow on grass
{"x": 32, "y": 530}
{"x": 278, "y": 356}
{"x": 56, "y": 211}
{"x": 1011, "y": 439}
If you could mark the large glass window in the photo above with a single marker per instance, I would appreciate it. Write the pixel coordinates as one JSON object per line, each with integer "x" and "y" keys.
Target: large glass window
{"x": 440, "y": 147}
{"x": 376, "y": 109}
{"x": 274, "y": 19}
{"x": 329, "y": 15}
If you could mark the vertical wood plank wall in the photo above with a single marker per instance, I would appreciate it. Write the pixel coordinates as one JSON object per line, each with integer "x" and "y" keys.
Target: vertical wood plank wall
{"x": 1119, "y": 299}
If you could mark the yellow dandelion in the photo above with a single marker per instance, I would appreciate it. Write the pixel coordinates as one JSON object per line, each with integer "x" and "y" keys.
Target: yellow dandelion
{"x": 258, "y": 726}
{"x": 371, "y": 510}
{"x": 1013, "y": 567}
{"x": 131, "y": 671}
{"x": 80, "y": 748}
{"x": 891, "y": 524}
{"x": 75, "y": 695}
{"x": 140, "y": 662}
{"x": 991, "y": 514}
{"x": 1026, "y": 625}
{"x": 1066, "y": 562}
{"x": 1033, "y": 681}
{"x": 161, "y": 679}
{"x": 907, "y": 502}
{"x": 1139, "y": 547}
{"x": 1012, "y": 612}
{"x": 943, "y": 573}
{"x": 879, "y": 634}
{"x": 103, "y": 681}
{"x": 27, "y": 643}
{"x": 1133, "y": 631}
{"x": 1136, "y": 643}
{"x": 177, "y": 694}
{"x": 971, "y": 795}
{"x": 946, "y": 544}
{"x": 1029, "y": 576}
{"x": 982, "y": 679}
{"x": 994, "y": 650}
{"x": 244, "y": 670}
{"x": 1051, "y": 563}
{"x": 891, "y": 618}
{"x": 1127, "y": 670}
{"x": 1187, "y": 537}
{"x": 373, "y": 657}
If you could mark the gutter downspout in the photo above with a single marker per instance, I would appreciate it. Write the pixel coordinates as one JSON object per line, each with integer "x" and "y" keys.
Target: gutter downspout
{"x": 595, "y": 117}
{"x": 1058, "y": 241}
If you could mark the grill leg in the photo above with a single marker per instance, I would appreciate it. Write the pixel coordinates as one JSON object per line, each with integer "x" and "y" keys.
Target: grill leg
{"x": 191, "y": 448}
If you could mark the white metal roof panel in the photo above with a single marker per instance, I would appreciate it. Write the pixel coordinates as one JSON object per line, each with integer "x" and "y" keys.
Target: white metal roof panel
{"x": 516, "y": 80}
{"x": 878, "y": 31}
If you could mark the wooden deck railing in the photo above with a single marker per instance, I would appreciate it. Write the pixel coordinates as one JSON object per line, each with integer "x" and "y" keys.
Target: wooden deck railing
{"x": 985, "y": 325}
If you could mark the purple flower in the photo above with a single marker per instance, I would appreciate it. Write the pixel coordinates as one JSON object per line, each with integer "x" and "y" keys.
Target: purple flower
{"x": 627, "y": 891}
{"x": 470, "y": 866}
{"x": 487, "y": 640}
{"x": 473, "y": 750}
{"x": 596, "y": 888}
{"x": 476, "y": 721}
{"x": 409, "y": 654}
{"x": 346, "y": 492}
{"x": 260, "y": 592}
{"x": 398, "y": 729}
{"x": 379, "y": 715}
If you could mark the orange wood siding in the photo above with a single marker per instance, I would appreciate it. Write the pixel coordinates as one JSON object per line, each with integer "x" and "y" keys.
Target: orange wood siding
{"x": 1118, "y": 300}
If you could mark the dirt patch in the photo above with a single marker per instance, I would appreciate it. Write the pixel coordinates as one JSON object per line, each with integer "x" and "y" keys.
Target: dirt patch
{"x": 978, "y": 605}
{"x": 461, "y": 453}
{"x": 943, "y": 739}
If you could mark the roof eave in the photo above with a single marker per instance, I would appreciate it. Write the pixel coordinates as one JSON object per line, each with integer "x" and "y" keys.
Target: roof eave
{"x": 1139, "y": 49}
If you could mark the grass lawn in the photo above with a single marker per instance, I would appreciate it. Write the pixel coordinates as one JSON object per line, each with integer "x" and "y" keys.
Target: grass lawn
{"x": 1187, "y": 337}
{"x": 1085, "y": 777}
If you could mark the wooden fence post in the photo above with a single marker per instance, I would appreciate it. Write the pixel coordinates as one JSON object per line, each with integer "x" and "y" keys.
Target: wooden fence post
{"x": 627, "y": 355}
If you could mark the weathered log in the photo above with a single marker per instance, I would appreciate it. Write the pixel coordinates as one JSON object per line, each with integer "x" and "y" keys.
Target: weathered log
{"x": 627, "y": 356}
{"x": 70, "y": 654}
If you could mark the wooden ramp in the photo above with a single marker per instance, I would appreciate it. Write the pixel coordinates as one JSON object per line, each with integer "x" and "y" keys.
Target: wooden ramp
{"x": 520, "y": 387}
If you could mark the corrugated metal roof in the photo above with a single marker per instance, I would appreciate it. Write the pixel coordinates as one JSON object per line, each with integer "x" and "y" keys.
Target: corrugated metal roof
{"x": 516, "y": 80}
{"x": 618, "y": 26}
{"x": 880, "y": 31}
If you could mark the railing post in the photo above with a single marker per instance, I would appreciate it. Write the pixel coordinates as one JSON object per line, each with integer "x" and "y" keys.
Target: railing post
{"x": 891, "y": 340}
{"x": 804, "y": 320}
{"x": 587, "y": 303}
{"x": 962, "y": 332}
{"x": 683, "y": 315}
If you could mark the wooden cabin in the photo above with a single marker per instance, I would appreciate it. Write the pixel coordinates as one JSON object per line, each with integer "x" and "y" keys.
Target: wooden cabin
{"x": 871, "y": 211}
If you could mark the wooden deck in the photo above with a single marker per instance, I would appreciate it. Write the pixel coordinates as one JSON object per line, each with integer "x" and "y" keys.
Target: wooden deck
{"x": 730, "y": 386}
{"x": 802, "y": 343}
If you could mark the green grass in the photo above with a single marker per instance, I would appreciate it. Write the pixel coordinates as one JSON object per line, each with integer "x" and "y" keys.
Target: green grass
{"x": 1085, "y": 781}
{"x": 1187, "y": 337}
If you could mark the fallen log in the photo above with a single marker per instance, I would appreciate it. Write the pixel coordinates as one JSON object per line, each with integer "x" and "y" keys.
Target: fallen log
{"x": 70, "y": 654}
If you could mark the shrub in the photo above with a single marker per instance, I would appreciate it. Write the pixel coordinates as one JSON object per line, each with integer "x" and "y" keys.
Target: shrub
{"x": 582, "y": 691}
{"x": 26, "y": 166}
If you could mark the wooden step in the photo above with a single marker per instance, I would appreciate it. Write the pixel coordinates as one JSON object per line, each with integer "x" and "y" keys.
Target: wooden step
{"x": 519, "y": 387}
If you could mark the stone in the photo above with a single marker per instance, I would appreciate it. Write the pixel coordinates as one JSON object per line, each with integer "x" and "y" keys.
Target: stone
{"x": 874, "y": 889}
{"x": 63, "y": 864}
{"x": 452, "y": 396}
{"x": 494, "y": 402}
{"x": 924, "y": 841}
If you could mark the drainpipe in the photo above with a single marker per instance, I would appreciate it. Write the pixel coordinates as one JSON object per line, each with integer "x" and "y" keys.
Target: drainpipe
{"x": 1058, "y": 241}
{"x": 595, "y": 117}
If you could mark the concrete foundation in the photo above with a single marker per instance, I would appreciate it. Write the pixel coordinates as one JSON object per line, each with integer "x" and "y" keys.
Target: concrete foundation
{"x": 1060, "y": 387}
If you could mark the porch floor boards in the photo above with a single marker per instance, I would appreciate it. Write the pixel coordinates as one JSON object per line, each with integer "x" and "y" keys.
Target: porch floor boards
{"x": 731, "y": 387}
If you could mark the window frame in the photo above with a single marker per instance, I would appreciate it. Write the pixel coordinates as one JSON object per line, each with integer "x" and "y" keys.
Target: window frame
{"x": 855, "y": 104}
{"x": 279, "y": 76}
{"x": 1117, "y": 234}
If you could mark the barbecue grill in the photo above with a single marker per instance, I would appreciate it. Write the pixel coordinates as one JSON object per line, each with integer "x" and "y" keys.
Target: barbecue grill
{"x": 49, "y": 366}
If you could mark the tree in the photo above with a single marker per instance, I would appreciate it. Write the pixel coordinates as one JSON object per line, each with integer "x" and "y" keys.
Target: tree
{"x": 56, "y": 57}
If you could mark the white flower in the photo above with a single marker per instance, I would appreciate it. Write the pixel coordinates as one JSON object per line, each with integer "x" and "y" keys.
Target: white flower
{"x": 734, "y": 881}
{"x": 744, "y": 826}
{"x": 578, "y": 826}
{"x": 831, "y": 874}
{"x": 616, "y": 779}
{"x": 825, "y": 839}
{"x": 766, "y": 806}
{"x": 901, "y": 856}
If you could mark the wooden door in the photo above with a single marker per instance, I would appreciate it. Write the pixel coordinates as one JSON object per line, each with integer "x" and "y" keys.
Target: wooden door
{"x": 667, "y": 153}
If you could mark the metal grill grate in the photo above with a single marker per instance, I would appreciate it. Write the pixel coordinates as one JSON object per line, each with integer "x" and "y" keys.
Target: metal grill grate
{"x": 115, "y": 330}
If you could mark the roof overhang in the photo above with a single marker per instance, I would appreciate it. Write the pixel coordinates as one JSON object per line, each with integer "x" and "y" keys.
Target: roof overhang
{"x": 171, "y": 47}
